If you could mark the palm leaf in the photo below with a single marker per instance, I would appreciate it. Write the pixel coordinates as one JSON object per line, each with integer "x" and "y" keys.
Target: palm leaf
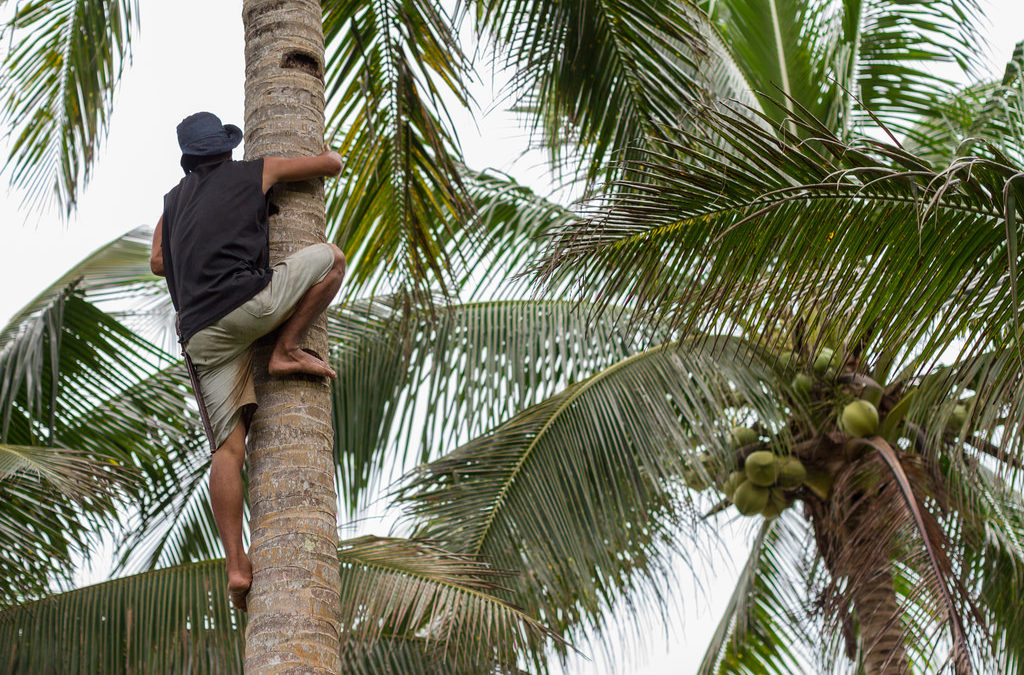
{"x": 892, "y": 49}
{"x": 462, "y": 368}
{"x": 504, "y": 235}
{"x": 401, "y": 587}
{"x": 987, "y": 528}
{"x": 58, "y": 81}
{"x": 950, "y": 606}
{"x": 982, "y": 114}
{"x": 52, "y": 501}
{"x": 116, "y": 276}
{"x": 401, "y": 189}
{"x": 851, "y": 63}
{"x": 777, "y": 45}
{"x": 179, "y": 619}
{"x": 765, "y": 627}
{"x": 100, "y": 396}
{"x": 74, "y": 376}
{"x": 550, "y": 491}
{"x": 597, "y": 77}
{"x": 886, "y": 250}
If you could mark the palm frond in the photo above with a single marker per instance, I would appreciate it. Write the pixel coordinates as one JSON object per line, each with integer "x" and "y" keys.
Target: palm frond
{"x": 406, "y": 592}
{"x": 889, "y": 53}
{"x": 885, "y": 250}
{"x": 171, "y": 620}
{"x": 849, "y": 64}
{"x": 405, "y": 655}
{"x": 57, "y": 83}
{"x": 777, "y": 46}
{"x": 401, "y": 187}
{"x": 74, "y": 376}
{"x": 766, "y": 627}
{"x": 70, "y": 358}
{"x": 116, "y": 276}
{"x": 598, "y": 76}
{"x": 580, "y": 491}
{"x": 401, "y": 587}
{"x": 504, "y": 235}
{"x": 898, "y": 567}
{"x": 948, "y": 609}
{"x": 982, "y": 114}
{"x": 100, "y": 396}
{"x": 51, "y": 502}
{"x": 986, "y": 525}
{"x": 462, "y": 368}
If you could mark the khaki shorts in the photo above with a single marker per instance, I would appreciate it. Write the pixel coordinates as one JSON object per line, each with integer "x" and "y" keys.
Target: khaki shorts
{"x": 222, "y": 352}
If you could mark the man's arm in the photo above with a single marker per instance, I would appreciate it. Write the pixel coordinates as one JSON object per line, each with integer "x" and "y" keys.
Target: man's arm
{"x": 288, "y": 169}
{"x": 156, "y": 256}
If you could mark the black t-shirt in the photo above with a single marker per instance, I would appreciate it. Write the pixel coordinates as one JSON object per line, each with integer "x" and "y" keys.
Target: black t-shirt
{"x": 215, "y": 241}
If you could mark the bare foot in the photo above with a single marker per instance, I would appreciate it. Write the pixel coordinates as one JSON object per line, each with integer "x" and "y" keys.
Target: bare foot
{"x": 285, "y": 362}
{"x": 239, "y": 581}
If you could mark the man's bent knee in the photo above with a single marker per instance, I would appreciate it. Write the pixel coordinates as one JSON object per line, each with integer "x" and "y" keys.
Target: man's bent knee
{"x": 339, "y": 259}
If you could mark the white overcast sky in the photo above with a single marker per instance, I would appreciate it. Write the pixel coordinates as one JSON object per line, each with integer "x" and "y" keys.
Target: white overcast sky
{"x": 183, "y": 63}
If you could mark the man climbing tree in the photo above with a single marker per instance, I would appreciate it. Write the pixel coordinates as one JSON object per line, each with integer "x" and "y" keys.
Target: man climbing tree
{"x": 212, "y": 244}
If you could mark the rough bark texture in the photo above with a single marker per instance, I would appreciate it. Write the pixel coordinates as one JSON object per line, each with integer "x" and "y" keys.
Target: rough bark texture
{"x": 881, "y": 631}
{"x": 294, "y": 622}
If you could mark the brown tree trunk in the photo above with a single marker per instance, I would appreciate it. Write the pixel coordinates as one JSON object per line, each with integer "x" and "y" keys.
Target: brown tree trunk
{"x": 881, "y": 631}
{"x": 294, "y": 607}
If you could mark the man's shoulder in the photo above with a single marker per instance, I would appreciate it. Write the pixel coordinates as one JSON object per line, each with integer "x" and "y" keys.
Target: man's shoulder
{"x": 245, "y": 164}
{"x": 172, "y": 195}
{"x": 244, "y": 170}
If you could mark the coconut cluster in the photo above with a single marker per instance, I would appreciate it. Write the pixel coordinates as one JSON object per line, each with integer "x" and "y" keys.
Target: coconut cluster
{"x": 765, "y": 481}
{"x": 763, "y": 485}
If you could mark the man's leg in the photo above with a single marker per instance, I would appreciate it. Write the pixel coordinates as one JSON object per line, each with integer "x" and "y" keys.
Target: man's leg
{"x": 226, "y": 501}
{"x": 288, "y": 357}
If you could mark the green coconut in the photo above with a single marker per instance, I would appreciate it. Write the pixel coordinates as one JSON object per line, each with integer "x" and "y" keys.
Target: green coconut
{"x": 802, "y": 385}
{"x": 733, "y": 482}
{"x": 771, "y": 510}
{"x": 761, "y": 468}
{"x": 825, "y": 362}
{"x": 860, "y": 418}
{"x": 741, "y": 436}
{"x": 777, "y": 503}
{"x": 750, "y": 499}
{"x": 792, "y": 472}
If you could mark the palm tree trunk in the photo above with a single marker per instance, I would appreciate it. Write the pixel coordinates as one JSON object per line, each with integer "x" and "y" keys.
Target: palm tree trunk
{"x": 294, "y": 606}
{"x": 881, "y": 631}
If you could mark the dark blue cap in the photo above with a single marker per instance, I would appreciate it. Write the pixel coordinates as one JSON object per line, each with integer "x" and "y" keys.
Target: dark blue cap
{"x": 202, "y": 134}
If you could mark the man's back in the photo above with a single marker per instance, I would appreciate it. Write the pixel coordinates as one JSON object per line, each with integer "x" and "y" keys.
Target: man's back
{"x": 215, "y": 241}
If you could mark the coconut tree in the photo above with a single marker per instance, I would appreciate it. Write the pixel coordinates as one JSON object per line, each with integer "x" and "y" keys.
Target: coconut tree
{"x": 292, "y": 498}
{"x": 606, "y": 79}
{"x": 836, "y": 328}
{"x": 759, "y": 237}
